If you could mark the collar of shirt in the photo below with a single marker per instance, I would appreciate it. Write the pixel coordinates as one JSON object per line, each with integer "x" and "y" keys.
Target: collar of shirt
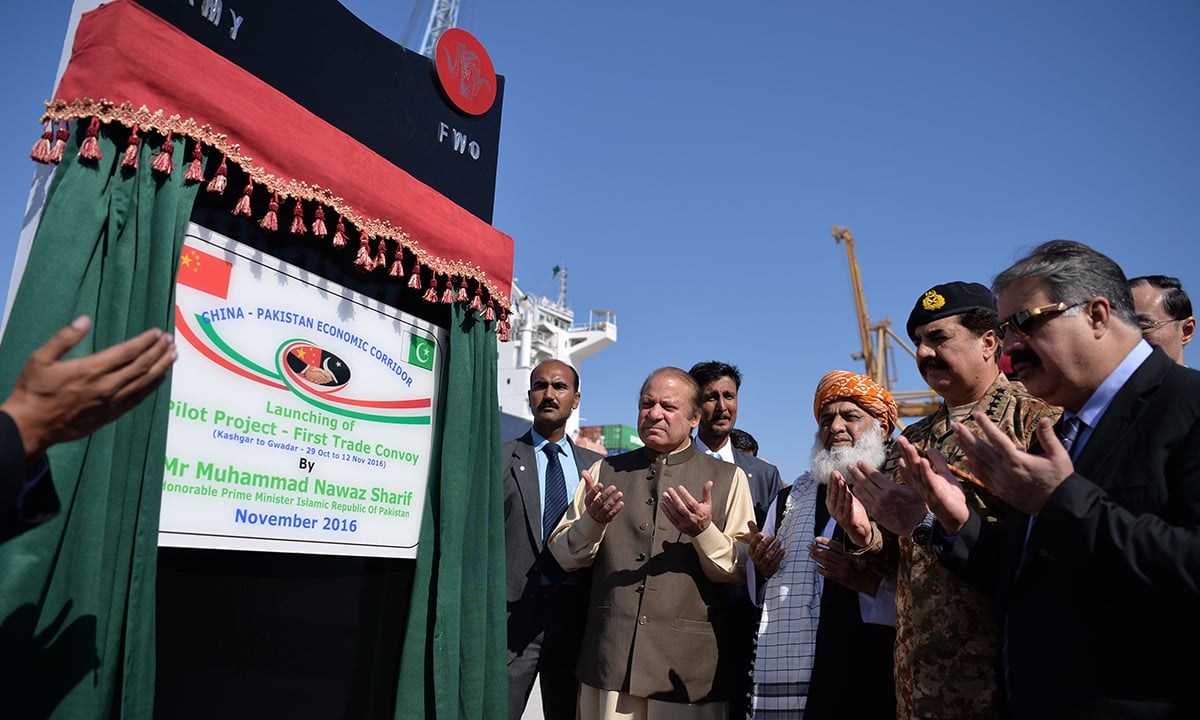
{"x": 725, "y": 452}
{"x": 566, "y": 459}
{"x": 539, "y": 442}
{"x": 1093, "y": 410}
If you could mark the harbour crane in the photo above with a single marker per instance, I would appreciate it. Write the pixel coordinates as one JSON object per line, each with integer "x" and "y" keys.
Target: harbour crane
{"x": 877, "y": 340}
{"x": 442, "y": 16}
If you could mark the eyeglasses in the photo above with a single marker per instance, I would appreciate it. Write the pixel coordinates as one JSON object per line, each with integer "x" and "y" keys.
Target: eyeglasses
{"x": 1149, "y": 326}
{"x": 1022, "y": 323}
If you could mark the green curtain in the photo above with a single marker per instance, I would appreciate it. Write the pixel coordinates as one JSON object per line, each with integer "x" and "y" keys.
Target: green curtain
{"x": 77, "y": 593}
{"x": 454, "y": 658}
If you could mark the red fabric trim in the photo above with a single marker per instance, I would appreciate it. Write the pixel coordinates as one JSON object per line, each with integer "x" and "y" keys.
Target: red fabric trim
{"x": 123, "y": 53}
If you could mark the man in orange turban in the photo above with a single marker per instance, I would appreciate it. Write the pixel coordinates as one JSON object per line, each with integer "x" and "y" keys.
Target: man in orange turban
{"x": 802, "y": 583}
{"x": 860, "y": 390}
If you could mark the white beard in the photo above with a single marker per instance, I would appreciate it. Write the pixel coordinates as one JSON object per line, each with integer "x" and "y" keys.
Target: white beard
{"x": 870, "y": 447}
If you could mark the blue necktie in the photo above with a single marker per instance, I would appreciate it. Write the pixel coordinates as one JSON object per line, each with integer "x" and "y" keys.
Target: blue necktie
{"x": 1070, "y": 433}
{"x": 556, "y": 491}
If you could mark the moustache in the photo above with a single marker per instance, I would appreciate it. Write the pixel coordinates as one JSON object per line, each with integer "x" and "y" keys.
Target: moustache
{"x": 547, "y": 405}
{"x": 838, "y": 438}
{"x": 931, "y": 364}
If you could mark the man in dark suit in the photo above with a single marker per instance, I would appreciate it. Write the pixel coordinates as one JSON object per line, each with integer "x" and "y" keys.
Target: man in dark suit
{"x": 546, "y": 606}
{"x": 1098, "y": 576}
{"x": 743, "y": 441}
{"x": 719, "y": 385}
{"x": 55, "y": 400}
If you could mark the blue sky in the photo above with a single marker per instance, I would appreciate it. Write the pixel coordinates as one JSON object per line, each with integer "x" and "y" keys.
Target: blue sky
{"x": 685, "y": 161}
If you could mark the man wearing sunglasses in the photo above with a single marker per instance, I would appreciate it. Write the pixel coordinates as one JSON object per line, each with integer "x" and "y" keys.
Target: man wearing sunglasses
{"x": 946, "y": 633}
{"x": 1098, "y": 565}
{"x": 1164, "y": 313}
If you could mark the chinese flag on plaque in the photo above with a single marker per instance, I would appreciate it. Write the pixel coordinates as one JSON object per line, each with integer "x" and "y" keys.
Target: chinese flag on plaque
{"x": 204, "y": 272}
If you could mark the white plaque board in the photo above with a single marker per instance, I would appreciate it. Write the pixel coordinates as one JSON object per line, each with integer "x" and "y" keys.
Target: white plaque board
{"x": 302, "y": 413}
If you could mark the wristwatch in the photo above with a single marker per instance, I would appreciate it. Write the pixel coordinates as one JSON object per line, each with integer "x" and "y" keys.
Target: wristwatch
{"x": 923, "y": 532}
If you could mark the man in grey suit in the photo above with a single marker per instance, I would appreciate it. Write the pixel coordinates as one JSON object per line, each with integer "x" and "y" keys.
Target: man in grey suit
{"x": 546, "y": 606}
{"x": 719, "y": 385}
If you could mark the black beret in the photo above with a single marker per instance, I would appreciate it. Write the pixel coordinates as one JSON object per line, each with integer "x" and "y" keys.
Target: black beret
{"x": 952, "y": 298}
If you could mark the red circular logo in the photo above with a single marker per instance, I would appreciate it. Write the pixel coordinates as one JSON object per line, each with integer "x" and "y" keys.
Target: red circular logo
{"x": 466, "y": 71}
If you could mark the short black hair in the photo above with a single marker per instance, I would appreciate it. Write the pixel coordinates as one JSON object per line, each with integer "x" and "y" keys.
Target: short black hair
{"x": 1175, "y": 302}
{"x": 978, "y": 321}
{"x": 705, "y": 372}
{"x": 574, "y": 372}
{"x": 743, "y": 441}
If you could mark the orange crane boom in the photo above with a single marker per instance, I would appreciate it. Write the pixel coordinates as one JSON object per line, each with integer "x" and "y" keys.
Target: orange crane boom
{"x": 876, "y": 351}
{"x": 874, "y": 370}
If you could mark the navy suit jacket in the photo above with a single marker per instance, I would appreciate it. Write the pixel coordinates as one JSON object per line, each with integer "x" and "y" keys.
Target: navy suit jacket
{"x": 1101, "y": 609}
{"x": 41, "y": 502}
{"x": 527, "y": 558}
{"x": 764, "y": 480}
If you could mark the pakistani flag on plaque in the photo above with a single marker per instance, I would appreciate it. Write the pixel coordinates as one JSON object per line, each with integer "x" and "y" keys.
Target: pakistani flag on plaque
{"x": 420, "y": 351}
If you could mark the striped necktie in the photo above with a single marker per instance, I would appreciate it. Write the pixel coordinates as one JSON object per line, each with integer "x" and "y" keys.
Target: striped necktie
{"x": 1070, "y": 433}
{"x": 556, "y": 491}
